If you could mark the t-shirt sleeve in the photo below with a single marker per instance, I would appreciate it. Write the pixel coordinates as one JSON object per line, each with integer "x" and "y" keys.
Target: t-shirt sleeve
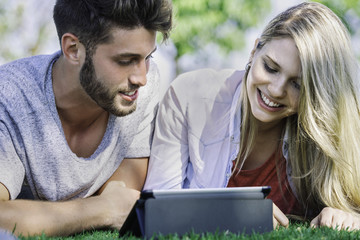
{"x": 140, "y": 145}
{"x": 12, "y": 170}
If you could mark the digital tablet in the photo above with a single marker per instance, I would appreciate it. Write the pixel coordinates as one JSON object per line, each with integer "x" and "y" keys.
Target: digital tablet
{"x": 201, "y": 210}
{"x": 233, "y": 192}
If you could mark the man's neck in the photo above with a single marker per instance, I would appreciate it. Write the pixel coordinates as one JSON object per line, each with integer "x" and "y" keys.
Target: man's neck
{"x": 84, "y": 122}
{"x": 74, "y": 106}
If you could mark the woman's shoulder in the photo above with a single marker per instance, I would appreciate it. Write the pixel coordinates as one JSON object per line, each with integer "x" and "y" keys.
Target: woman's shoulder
{"x": 205, "y": 76}
{"x": 206, "y": 82}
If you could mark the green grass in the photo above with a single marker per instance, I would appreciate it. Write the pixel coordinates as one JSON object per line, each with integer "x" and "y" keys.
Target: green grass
{"x": 295, "y": 231}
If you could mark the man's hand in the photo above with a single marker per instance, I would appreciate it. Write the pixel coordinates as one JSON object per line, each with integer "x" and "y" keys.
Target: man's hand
{"x": 337, "y": 219}
{"x": 279, "y": 218}
{"x": 120, "y": 201}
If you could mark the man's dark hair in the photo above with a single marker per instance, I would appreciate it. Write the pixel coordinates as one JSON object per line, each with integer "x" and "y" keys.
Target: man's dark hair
{"x": 92, "y": 20}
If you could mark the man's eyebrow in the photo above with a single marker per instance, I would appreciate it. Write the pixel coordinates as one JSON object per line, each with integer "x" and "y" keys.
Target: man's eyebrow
{"x": 130, "y": 55}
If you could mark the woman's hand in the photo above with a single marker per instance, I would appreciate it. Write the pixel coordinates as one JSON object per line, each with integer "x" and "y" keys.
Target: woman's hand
{"x": 337, "y": 219}
{"x": 279, "y": 218}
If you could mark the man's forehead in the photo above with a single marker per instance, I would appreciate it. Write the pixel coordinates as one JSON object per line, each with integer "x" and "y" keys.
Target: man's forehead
{"x": 138, "y": 41}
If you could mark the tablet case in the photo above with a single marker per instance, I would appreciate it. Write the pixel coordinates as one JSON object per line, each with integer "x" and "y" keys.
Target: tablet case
{"x": 181, "y": 215}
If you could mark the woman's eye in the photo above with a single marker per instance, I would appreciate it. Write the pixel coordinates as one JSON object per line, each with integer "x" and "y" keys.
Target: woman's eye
{"x": 269, "y": 69}
{"x": 296, "y": 85}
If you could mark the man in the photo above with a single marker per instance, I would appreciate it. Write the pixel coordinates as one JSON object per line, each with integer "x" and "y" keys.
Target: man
{"x": 76, "y": 126}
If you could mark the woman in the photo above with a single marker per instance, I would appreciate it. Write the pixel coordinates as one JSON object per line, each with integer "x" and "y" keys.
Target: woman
{"x": 290, "y": 120}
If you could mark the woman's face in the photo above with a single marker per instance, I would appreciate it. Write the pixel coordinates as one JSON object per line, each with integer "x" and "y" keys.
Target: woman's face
{"x": 273, "y": 83}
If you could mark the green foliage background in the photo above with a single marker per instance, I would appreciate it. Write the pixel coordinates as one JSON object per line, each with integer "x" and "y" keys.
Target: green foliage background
{"x": 200, "y": 22}
{"x": 197, "y": 23}
{"x": 225, "y": 22}
{"x": 343, "y": 8}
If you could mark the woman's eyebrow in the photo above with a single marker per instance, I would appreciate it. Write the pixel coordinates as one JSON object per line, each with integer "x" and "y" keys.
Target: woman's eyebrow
{"x": 268, "y": 58}
{"x": 272, "y": 61}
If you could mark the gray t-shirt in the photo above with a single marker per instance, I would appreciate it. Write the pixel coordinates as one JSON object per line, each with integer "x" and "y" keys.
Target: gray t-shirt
{"x": 33, "y": 148}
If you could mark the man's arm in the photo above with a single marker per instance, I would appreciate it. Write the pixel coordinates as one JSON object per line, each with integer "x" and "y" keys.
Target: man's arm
{"x": 4, "y": 193}
{"x": 132, "y": 172}
{"x": 109, "y": 209}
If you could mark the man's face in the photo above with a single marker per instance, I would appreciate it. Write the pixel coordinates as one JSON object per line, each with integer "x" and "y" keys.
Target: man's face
{"x": 115, "y": 72}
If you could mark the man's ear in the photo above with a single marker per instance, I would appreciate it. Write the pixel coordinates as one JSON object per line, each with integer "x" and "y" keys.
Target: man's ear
{"x": 72, "y": 48}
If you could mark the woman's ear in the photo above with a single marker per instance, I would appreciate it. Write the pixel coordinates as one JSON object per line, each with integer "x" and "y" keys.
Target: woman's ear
{"x": 253, "y": 50}
{"x": 71, "y": 48}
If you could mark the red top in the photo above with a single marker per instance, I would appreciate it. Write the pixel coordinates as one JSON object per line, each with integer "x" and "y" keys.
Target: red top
{"x": 266, "y": 175}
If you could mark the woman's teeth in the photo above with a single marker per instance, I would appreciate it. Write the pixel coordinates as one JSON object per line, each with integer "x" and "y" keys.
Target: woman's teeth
{"x": 268, "y": 102}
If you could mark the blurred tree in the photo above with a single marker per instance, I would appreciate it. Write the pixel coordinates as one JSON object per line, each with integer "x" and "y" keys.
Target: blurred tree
{"x": 9, "y": 22}
{"x": 23, "y": 33}
{"x": 222, "y": 22}
{"x": 198, "y": 23}
{"x": 345, "y": 9}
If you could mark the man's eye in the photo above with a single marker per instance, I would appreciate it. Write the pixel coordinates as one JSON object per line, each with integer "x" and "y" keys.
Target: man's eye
{"x": 149, "y": 57}
{"x": 269, "y": 69}
{"x": 124, "y": 62}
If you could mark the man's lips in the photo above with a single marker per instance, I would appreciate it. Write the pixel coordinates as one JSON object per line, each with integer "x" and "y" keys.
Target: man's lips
{"x": 129, "y": 96}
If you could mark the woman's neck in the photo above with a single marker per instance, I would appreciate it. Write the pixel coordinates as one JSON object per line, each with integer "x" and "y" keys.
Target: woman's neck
{"x": 267, "y": 141}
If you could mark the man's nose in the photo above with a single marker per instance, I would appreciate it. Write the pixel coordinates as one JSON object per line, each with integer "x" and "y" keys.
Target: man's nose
{"x": 138, "y": 76}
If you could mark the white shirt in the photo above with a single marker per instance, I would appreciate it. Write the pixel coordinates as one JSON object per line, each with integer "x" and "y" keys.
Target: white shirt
{"x": 197, "y": 131}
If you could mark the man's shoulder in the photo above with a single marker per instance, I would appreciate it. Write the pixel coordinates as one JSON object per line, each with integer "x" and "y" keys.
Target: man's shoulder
{"x": 23, "y": 80}
{"x": 27, "y": 67}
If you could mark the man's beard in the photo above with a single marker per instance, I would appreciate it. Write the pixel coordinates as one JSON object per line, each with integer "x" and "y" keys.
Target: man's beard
{"x": 103, "y": 96}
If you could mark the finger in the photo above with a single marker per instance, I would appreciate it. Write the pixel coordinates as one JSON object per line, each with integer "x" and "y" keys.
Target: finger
{"x": 337, "y": 221}
{"x": 326, "y": 217}
{"x": 336, "y": 224}
{"x": 347, "y": 224}
{"x": 355, "y": 226}
{"x": 351, "y": 222}
{"x": 280, "y": 217}
{"x": 315, "y": 222}
{"x": 275, "y": 222}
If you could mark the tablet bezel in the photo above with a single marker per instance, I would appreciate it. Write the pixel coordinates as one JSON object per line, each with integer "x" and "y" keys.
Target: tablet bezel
{"x": 258, "y": 192}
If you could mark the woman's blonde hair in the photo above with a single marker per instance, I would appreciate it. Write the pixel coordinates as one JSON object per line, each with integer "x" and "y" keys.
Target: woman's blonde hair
{"x": 324, "y": 137}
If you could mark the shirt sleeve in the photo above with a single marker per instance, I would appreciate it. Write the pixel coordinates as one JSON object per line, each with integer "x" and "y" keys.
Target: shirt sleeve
{"x": 12, "y": 172}
{"x": 169, "y": 153}
{"x": 140, "y": 145}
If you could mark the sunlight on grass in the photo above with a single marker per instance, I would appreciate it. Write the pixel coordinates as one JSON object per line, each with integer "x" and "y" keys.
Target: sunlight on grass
{"x": 295, "y": 231}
